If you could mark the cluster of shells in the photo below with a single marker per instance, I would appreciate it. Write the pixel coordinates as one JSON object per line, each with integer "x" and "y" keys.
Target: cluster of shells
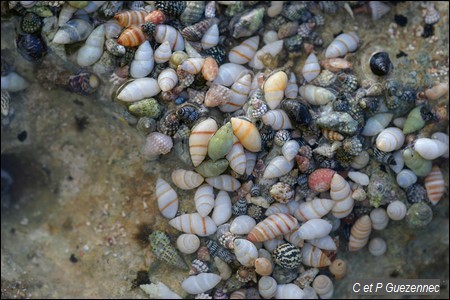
{"x": 281, "y": 158}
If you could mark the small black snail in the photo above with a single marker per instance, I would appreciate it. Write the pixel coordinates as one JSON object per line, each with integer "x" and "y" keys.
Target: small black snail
{"x": 381, "y": 64}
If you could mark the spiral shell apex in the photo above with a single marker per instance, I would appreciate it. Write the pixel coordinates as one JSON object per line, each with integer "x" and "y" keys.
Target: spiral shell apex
{"x": 360, "y": 232}
{"x": 188, "y": 243}
{"x": 246, "y": 252}
{"x": 390, "y": 139}
{"x": 342, "y": 44}
{"x": 338, "y": 268}
{"x": 377, "y": 246}
{"x": 274, "y": 225}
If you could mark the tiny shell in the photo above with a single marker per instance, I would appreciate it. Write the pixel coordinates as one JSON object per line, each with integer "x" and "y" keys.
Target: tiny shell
{"x": 129, "y": 18}
{"x": 157, "y": 143}
{"x": 320, "y": 180}
{"x": 211, "y": 37}
{"x": 204, "y": 199}
{"x": 199, "y": 138}
{"x": 251, "y": 162}
{"x": 324, "y": 243}
{"x": 316, "y": 95}
{"x": 272, "y": 49}
{"x": 194, "y": 223}
{"x": 437, "y": 91}
{"x": 210, "y": 69}
{"x": 336, "y": 64}
{"x": 359, "y": 178}
{"x": 419, "y": 165}
{"x": 314, "y": 229}
{"x": 239, "y": 94}
{"x": 396, "y": 210}
{"x": 222, "y": 208}
{"x": 430, "y": 148}
{"x": 406, "y": 178}
{"x": 342, "y": 44}
{"x": 277, "y": 119}
{"x": 163, "y": 53}
{"x": 338, "y": 268}
{"x": 435, "y": 185}
{"x": 379, "y": 218}
{"x": 278, "y": 167}
{"x": 246, "y": 252}
{"x": 274, "y": 225}
{"x": 131, "y": 37}
{"x": 242, "y": 224}
{"x": 323, "y": 286}
{"x": 186, "y": 180}
{"x": 341, "y": 193}
{"x": 13, "y": 82}
{"x": 143, "y": 62}
{"x": 263, "y": 266}
{"x": 244, "y": 52}
{"x": 224, "y": 182}
{"x": 361, "y": 160}
{"x": 440, "y": 136}
{"x": 93, "y": 47}
{"x": 200, "y": 283}
{"x": 168, "y": 33}
{"x": 159, "y": 291}
{"x": 274, "y": 89}
{"x": 314, "y": 209}
{"x": 73, "y": 31}
{"x": 167, "y": 79}
{"x": 291, "y": 91}
{"x": 267, "y": 287}
{"x": 139, "y": 89}
{"x": 167, "y": 199}
{"x": 360, "y": 232}
{"x": 311, "y": 68}
{"x": 236, "y": 157}
{"x": 332, "y": 135}
{"x": 193, "y": 65}
{"x": 376, "y": 124}
{"x": 229, "y": 73}
{"x": 390, "y": 139}
{"x": 217, "y": 95}
{"x": 314, "y": 257}
{"x": 377, "y": 246}
{"x": 247, "y": 134}
{"x": 290, "y": 149}
{"x": 188, "y": 243}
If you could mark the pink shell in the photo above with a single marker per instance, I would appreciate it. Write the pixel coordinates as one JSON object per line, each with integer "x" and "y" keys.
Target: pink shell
{"x": 157, "y": 143}
{"x": 319, "y": 181}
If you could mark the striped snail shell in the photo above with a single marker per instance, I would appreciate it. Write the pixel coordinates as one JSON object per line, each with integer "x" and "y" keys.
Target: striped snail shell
{"x": 437, "y": 91}
{"x": 163, "y": 53}
{"x": 211, "y": 37}
{"x": 377, "y": 246}
{"x": 13, "y": 82}
{"x": 291, "y": 91}
{"x": 361, "y": 160}
{"x": 197, "y": 284}
{"x": 224, "y": 182}
{"x": 314, "y": 229}
{"x": 338, "y": 268}
{"x": 239, "y": 94}
{"x": 332, "y": 135}
{"x": 186, "y": 180}
{"x": 376, "y": 124}
{"x": 359, "y": 178}
{"x": 406, "y": 178}
{"x": 159, "y": 290}
{"x": 168, "y": 33}
{"x": 315, "y": 209}
{"x": 430, "y": 148}
{"x": 143, "y": 61}
{"x": 131, "y": 37}
{"x": 277, "y": 119}
{"x": 316, "y": 95}
{"x": 294, "y": 238}
{"x": 435, "y": 185}
{"x": 359, "y": 235}
{"x": 73, "y": 31}
{"x": 323, "y": 286}
{"x": 138, "y": 89}
{"x": 246, "y": 252}
{"x": 290, "y": 149}
{"x": 314, "y": 257}
{"x": 245, "y": 51}
{"x": 341, "y": 193}
{"x": 289, "y": 291}
{"x": 390, "y": 139}
{"x": 217, "y": 95}
{"x": 263, "y": 266}
{"x": 277, "y": 208}
{"x": 251, "y": 162}
{"x": 210, "y": 69}
{"x": 167, "y": 79}
{"x": 311, "y": 68}
{"x": 156, "y": 17}
{"x": 379, "y": 218}
{"x": 65, "y": 14}
{"x": 419, "y": 165}
{"x": 236, "y": 157}
{"x": 274, "y": 89}
{"x": 342, "y": 44}
{"x": 273, "y": 49}
{"x": 204, "y": 199}
{"x": 112, "y": 29}
{"x": 242, "y": 224}
{"x": 167, "y": 199}
{"x": 272, "y": 244}
{"x": 193, "y": 65}
{"x": 199, "y": 139}
{"x": 271, "y": 227}
{"x": 442, "y": 137}
{"x": 223, "y": 268}
{"x": 267, "y": 287}
{"x": 247, "y": 134}
{"x": 239, "y": 294}
{"x": 194, "y": 223}
{"x": 222, "y": 208}
{"x": 188, "y": 243}
{"x": 129, "y": 18}
{"x": 324, "y": 243}
{"x": 278, "y": 167}
{"x": 229, "y": 73}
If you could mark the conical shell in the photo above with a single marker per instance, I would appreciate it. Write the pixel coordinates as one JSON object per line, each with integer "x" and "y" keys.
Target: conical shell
{"x": 210, "y": 69}
{"x": 222, "y": 208}
{"x": 188, "y": 243}
{"x": 247, "y": 134}
{"x": 156, "y": 17}
{"x": 244, "y": 52}
{"x": 131, "y": 37}
{"x": 204, "y": 200}
{"x": 437, "y": 91}
{"x": 163, "y": 53}
{"x": 332, "y": 135}
{"x": 239, "y": 94}
{"x": 229, "y": 73}
{"x": 291, "y": 91}
{"x": 236, "y": 157}
{"x": 316, "y": 95}
{"x": 194, "y": 223}
{"x": 315, "y": 209}
{"x": 406, "y": 178}
{"x": 289, "y": 291}
{"x": 129, "y": 18}
{"x": 246, "y": 252}
{"x": 242, "y": 224}
{"x": 379, "y": 218}
{"x": 73, "y": 31}
{"x": 197, "y": 284}
{"x": 435, "y": 185}
{"x": 159, "y": 291}
{"x": 359, "y": 235}
{"x": 167, "y": 199}
{"x": 342, "y": 44}
{"x": 167, "y": 79}
{"x": 217, "y": 95}
{"x": 263, "y": 266}
{"x": 419, "y": 165}
{"x": 274, "y": 89}
{"x": 278, "y": 167}
{"x": 323, "y": 286}
{"x": 272, "y": 226}
{"x": 162, "y": 248}
{"x": 193, "y": 65}
{"x": 277, "y": 119}
{"x": 376, "y": 124}
{"x": 267, "y": 287}
{"x": 273, "y": 49}
{"x": 224, "y": 182}
{"x": 442, "y": 137}
{"x": 414, "y": 121}
{"x": 139, "y": 89}
{"x": 199, "y": 139}
{"x": 324, "y": 243}
{"x": 314, "y": 257}
{"x": 112, "y": 29}
{"x": 277, "y": 208}
{"x": 211, "y": 37}
{"x": 338, "y": 268}
{"x": 311, "y": 68}
{"x": 377, "y": 246}
{"x": 314, "y": 229}
{"x": 430, "y": 148}
{"x": 186, "y": 180}
{"x": 65, "y": 14}
{"x": 290, "y": 149}
{"x": 251, "y": 162}
{"x": 378, "y": 9}
{"x": 143, "y": 62}
{"x": 396, "y": 210}
{"x": 341, "y": 193}
{"x": 168, "y": 33}
{"x": 390, "y": 139}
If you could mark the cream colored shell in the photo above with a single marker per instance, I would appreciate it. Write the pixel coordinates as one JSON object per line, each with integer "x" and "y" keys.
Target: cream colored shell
{"x": 186, "y": 180}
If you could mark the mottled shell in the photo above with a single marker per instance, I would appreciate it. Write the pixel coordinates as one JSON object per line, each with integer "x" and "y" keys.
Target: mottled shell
{"x": 211, "y": 37}
{"x": 210, "y": 69}
{"x": 376, "y": 124}
{"x": 139, "y": 89}
{"x": 143, "y": 62}
{"x": 188, "y": 243}
{"x": 290, "y": 149}
{"x": 311, "y": 69}
{"x": 263, "y": 266}
{"x": 242, "y": 224}
{"x": 194, "y": 223}
{"x": 229, "y": 73}
{"x": 390, "y": 139}
{"x": 277, "y": 167}
{"x": 186, "y": 180}
{"x": 379, "y": 218}
{"x": 246, "y": 252}
{"x": 129, "y": 18}
{"x": 199, "y": 139}
{"x": 73, "y": 31}
{"x": 416, "y": 162}
{"x": 193, "y": 65}
{"x": 406, "y": 178}
{"x": 338, "y": 268}
{"x": 271, "y": 227}
{"x": 342, "y": 44}
{"x": 316, "y": 95}
{"x": 430, "y": 148}
{"x": 157, "y": 143}
{"x": 204, "y": 199}
{"x": 159, "y": 291}
{"x": 314, "y": 257}
{"x": 323, "y": 286}
{"x": 224, "y": 182}
{"x": 222, "y": 208}
{"x": 435, "y": 185}
{"x": 167, "y": 199}
{"x": 289, "y": 291}
{"x": 272, "y": 49}
{"x": 217, "y": 95}
{"x": 359, "y": 235}
{"x": 131, "y": 37}
{"x": 239, "y": 94}
{"x": 341, "y": 193}
{"x": 377, "y": 246}
{"x": 168, "y": 33}
{"x": 236, "y": 157}
{"x": 437, "y": 91}
{"x": 324, "y": 243}
{"x": 274, "y": 89}
{"x": 200, "y": 283}
{"x": 282, "y": 192}
{"x": 291, "y": 91}
{"x": 315, "y": 209}
{"x": 244, "y": 52}
{"x": 359, "y": 178}
{"x": 320, "y": 180}
{"x": 247, "y": 134}
{"x": 167, "y": 79}
{"x": 267, "y": 286}
{"x": 277, "y": 119}
{"x": 314, "y": 229}
{"x": 163, "y": 53}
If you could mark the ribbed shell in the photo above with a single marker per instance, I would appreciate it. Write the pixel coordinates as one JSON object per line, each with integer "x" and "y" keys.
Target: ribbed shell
{"x": 139, "y": 89}
{"x": 167, "y": 199}
{"x": 204, "y": 199}
{"x": 406, "y": 178}
{"x": 246, "y": 252}
{"x": 314, "y": 229}
{"x": 315, "y": 209}
{"x": 251, "y": 162}
{"x": 311, "y": 68}
{"x": 396, "y": 210}
{"x": 338, "y": 268}
{"x": 316, "y": 95}
{"x": 194, "y": 223}
{"x": 211, "y": 37}
{"x": 290, "y": 149}
{"x": 247, "y": 134}
{"x": 73, "y": 31}
{"x": 239, "y": 94}
{"x": 157, "y": 143}
{"x": 430, "y": 148}
{"x": 323, "y": 286}
{"x": 435, "y": 185}
{"x": 224, "y": 182}
{"x": 168, "y": 33}
{"x": 274, "y": 89}
{"x": 229, "y": 73}
{"x": 377, "y": 246}
{"x": 267, "y": 287}
{"x": 186, "y": 180}
{"x": 143, "y": 62}
{"x": 242, "y": 224}
{"x": 376, "y": 124}
{"x": 163, "y": 53}
{"x": 244, "y": 52}
{"x": 131, "y": 37}
{"x": 314, "y": 257}
{"x": 324, "y": 243}
{"x": 167, "y": 79}
{"x": 277, "y": 119}
{"x": 342, "y": 44}
{"x": 217, "y": 95}
{"x": 291, "y": 91}
{"x": 332, "y": 135}
{"x": 273, "y": 49}
{"x": 200, "y": 283}
{"x": 129, "y": 18}
{"x": 359, "y": 235}
{"x": 199, "y": 139}
{"x": 193, "y": 65}
{"x": 271, "y": 227}
{"x": 222, "y": 208}
{"x": 188, "y": 243}
{"x": 236, "y": 157}
{"x": 341, "y": 193}
{"x": 390, "y": 139}
{"x": 379, "y": 218}
{"x": 278, "y": 167}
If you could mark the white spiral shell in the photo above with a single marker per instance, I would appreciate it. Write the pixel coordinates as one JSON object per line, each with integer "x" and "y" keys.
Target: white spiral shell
{"x": 167, "y": 79}
{"x": 274, "y": 88}
{"x": 210, "y": 37}
{"x": 406, "y": 178}
{"x": 66, "y": 14}
{"x": 435, "y": 185}
{"x": 379, "y": 218}
{"x": 159, "y": 291}
{"x": 323, "y": 286}
{"x": 293, "y": 238}
{"x": 112, "y": 29}
{"x": 272, "y": 244}
{"x": 168, "y": 33}
{"x": 273, "y": 49}
{"x": 376, "y": 124}
{"x": 277, "y": 207}
{"x": 194, "y": 223}
{"x": 359, "y": 178}
{"x": 342, "y": 44}
{"x": 247, "y": 134}
{"x": 359, "y": 234}
{"x": 430, "y": 148}
{"x": 290, "y": 149}
{"x": 186, "y": 180}
{"x": 311, "y": 69}
{"x": 314, "y": 229}
{"x": 193, "y": 65}
{"x": 291, "y": 91}
{"x": 73, "y": 31}
{"x": 440, "y": 136}
{"x": 188, "y": 243}
{"x": 289, "y": 291}
{"x": 197, "y": 284}
{"x": 239, "y": 94}
{"x": 399, "y": 161}
{"x": 143, "y": 61}
{"x": 242, "y": 224}
{"x": 251, "y": 161}
{"x": 13, "y": 82}
{"x": 272, "y": 226}
{"x": 267, "y": 287}
{"x": 92, "y": 49}
{"x": 224, "y": 182}
{"x": 277, "y": 167}
{"x": 167, "y": 199}
{"x": 163, "y": 53}
{"x": 139, "y": 89}
{"x": 222, "y": 208}
{"x": 199, "y": 139}
{"x": 229, "y": 73}
{"x": 341, "y": 193}
{"x": 224, "y": 269}
{"x": 390, "y": 139}
{"x": 314, "y": 257}
{"x": 396, "y": 210}
{"x": 377, "y": 246}
{"x": 324, "y": 243}
{"x": 276, "y": 7}
{"x": 361, "y": 160}
{"x": 316, "y": 95}
{"x": 245, "y": 252}
{"x": 236, "y": 157}
{"x": 277, "y": 119}
{"x": 204, "y": 199}
{"x": 245, "y": 51}
{"x": 315, "y": 209}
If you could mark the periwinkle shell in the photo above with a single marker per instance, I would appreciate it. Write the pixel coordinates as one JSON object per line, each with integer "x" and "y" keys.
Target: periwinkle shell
{"x": 31, "y": 46}
{"x": 381, "y": 64}
{"x": 297, "y": 112}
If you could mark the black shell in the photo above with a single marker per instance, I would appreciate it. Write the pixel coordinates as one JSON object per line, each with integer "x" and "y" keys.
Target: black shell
{"x": 31, "y": 46}
{"x": 297, "y": 112}
{"x": 240, "y": 207}
{"x": 217, "y": 52}
{"x": 381, "y": 64}
{"x": 216, "y": 250}
{"x": 287, "y": 256}
{"x": 188, "y": 114}
{"x": 171, "y": 8}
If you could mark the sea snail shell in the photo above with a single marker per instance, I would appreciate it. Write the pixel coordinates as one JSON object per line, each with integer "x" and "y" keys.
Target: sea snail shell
{"x": 396, "y": 210}
{"x": 323, "y": 286}
{"x": 194, "y": 223}
{"x": 267, "y": 287}
{"x": 271, "y": 227}
{"x": 222, "y": 208}
{"x": 342, "y": 44}
{"x": 204, "y": 199}
{"x": 390, "y": 139}
{"x": 246, "y": 252}
{"x": 430, "y": 148}
{"x": 377, "y": 246}
{"x": 93, "y": 47}
{"x": 143, "y": 62}
{"x": 188, "y": 243}
{"x": 379, "y": 218}
{"x": 197, "y": 284}
{"x": 360, "y": 232}
{"x": 167, "y": 199}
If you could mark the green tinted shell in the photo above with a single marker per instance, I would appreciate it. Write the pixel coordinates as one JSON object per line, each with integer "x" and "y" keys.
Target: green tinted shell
{"x": 419, "y": 215}
{"x": 221, "y": 142}
{"x": 145, "y": 108}
{"x": 414, "y": 121}
{"x": 209, "y": 168}
{"x": 163, "y": 250}
{"x": 419, "y": 165}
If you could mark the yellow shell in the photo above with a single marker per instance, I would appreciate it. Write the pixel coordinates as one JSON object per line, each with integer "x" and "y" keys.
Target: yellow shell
{"x": 247, "y": 134}
{"x": 263, "y": 266}
{"x": 338, "y": 268}
{"x": 274, "y": 89}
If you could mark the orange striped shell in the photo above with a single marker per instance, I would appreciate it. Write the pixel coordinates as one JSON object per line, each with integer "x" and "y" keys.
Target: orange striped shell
{"x": 272, "y": 226}
{"x": 129, "y": 18}
{"x": 199, "y": 139}
{"x": 435, "y": 185}
{"x": 156, "y": 17}
{"x": 332, "y": 135}
{"x": 131, "y": 37}
{"x": 247, "y": 134}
